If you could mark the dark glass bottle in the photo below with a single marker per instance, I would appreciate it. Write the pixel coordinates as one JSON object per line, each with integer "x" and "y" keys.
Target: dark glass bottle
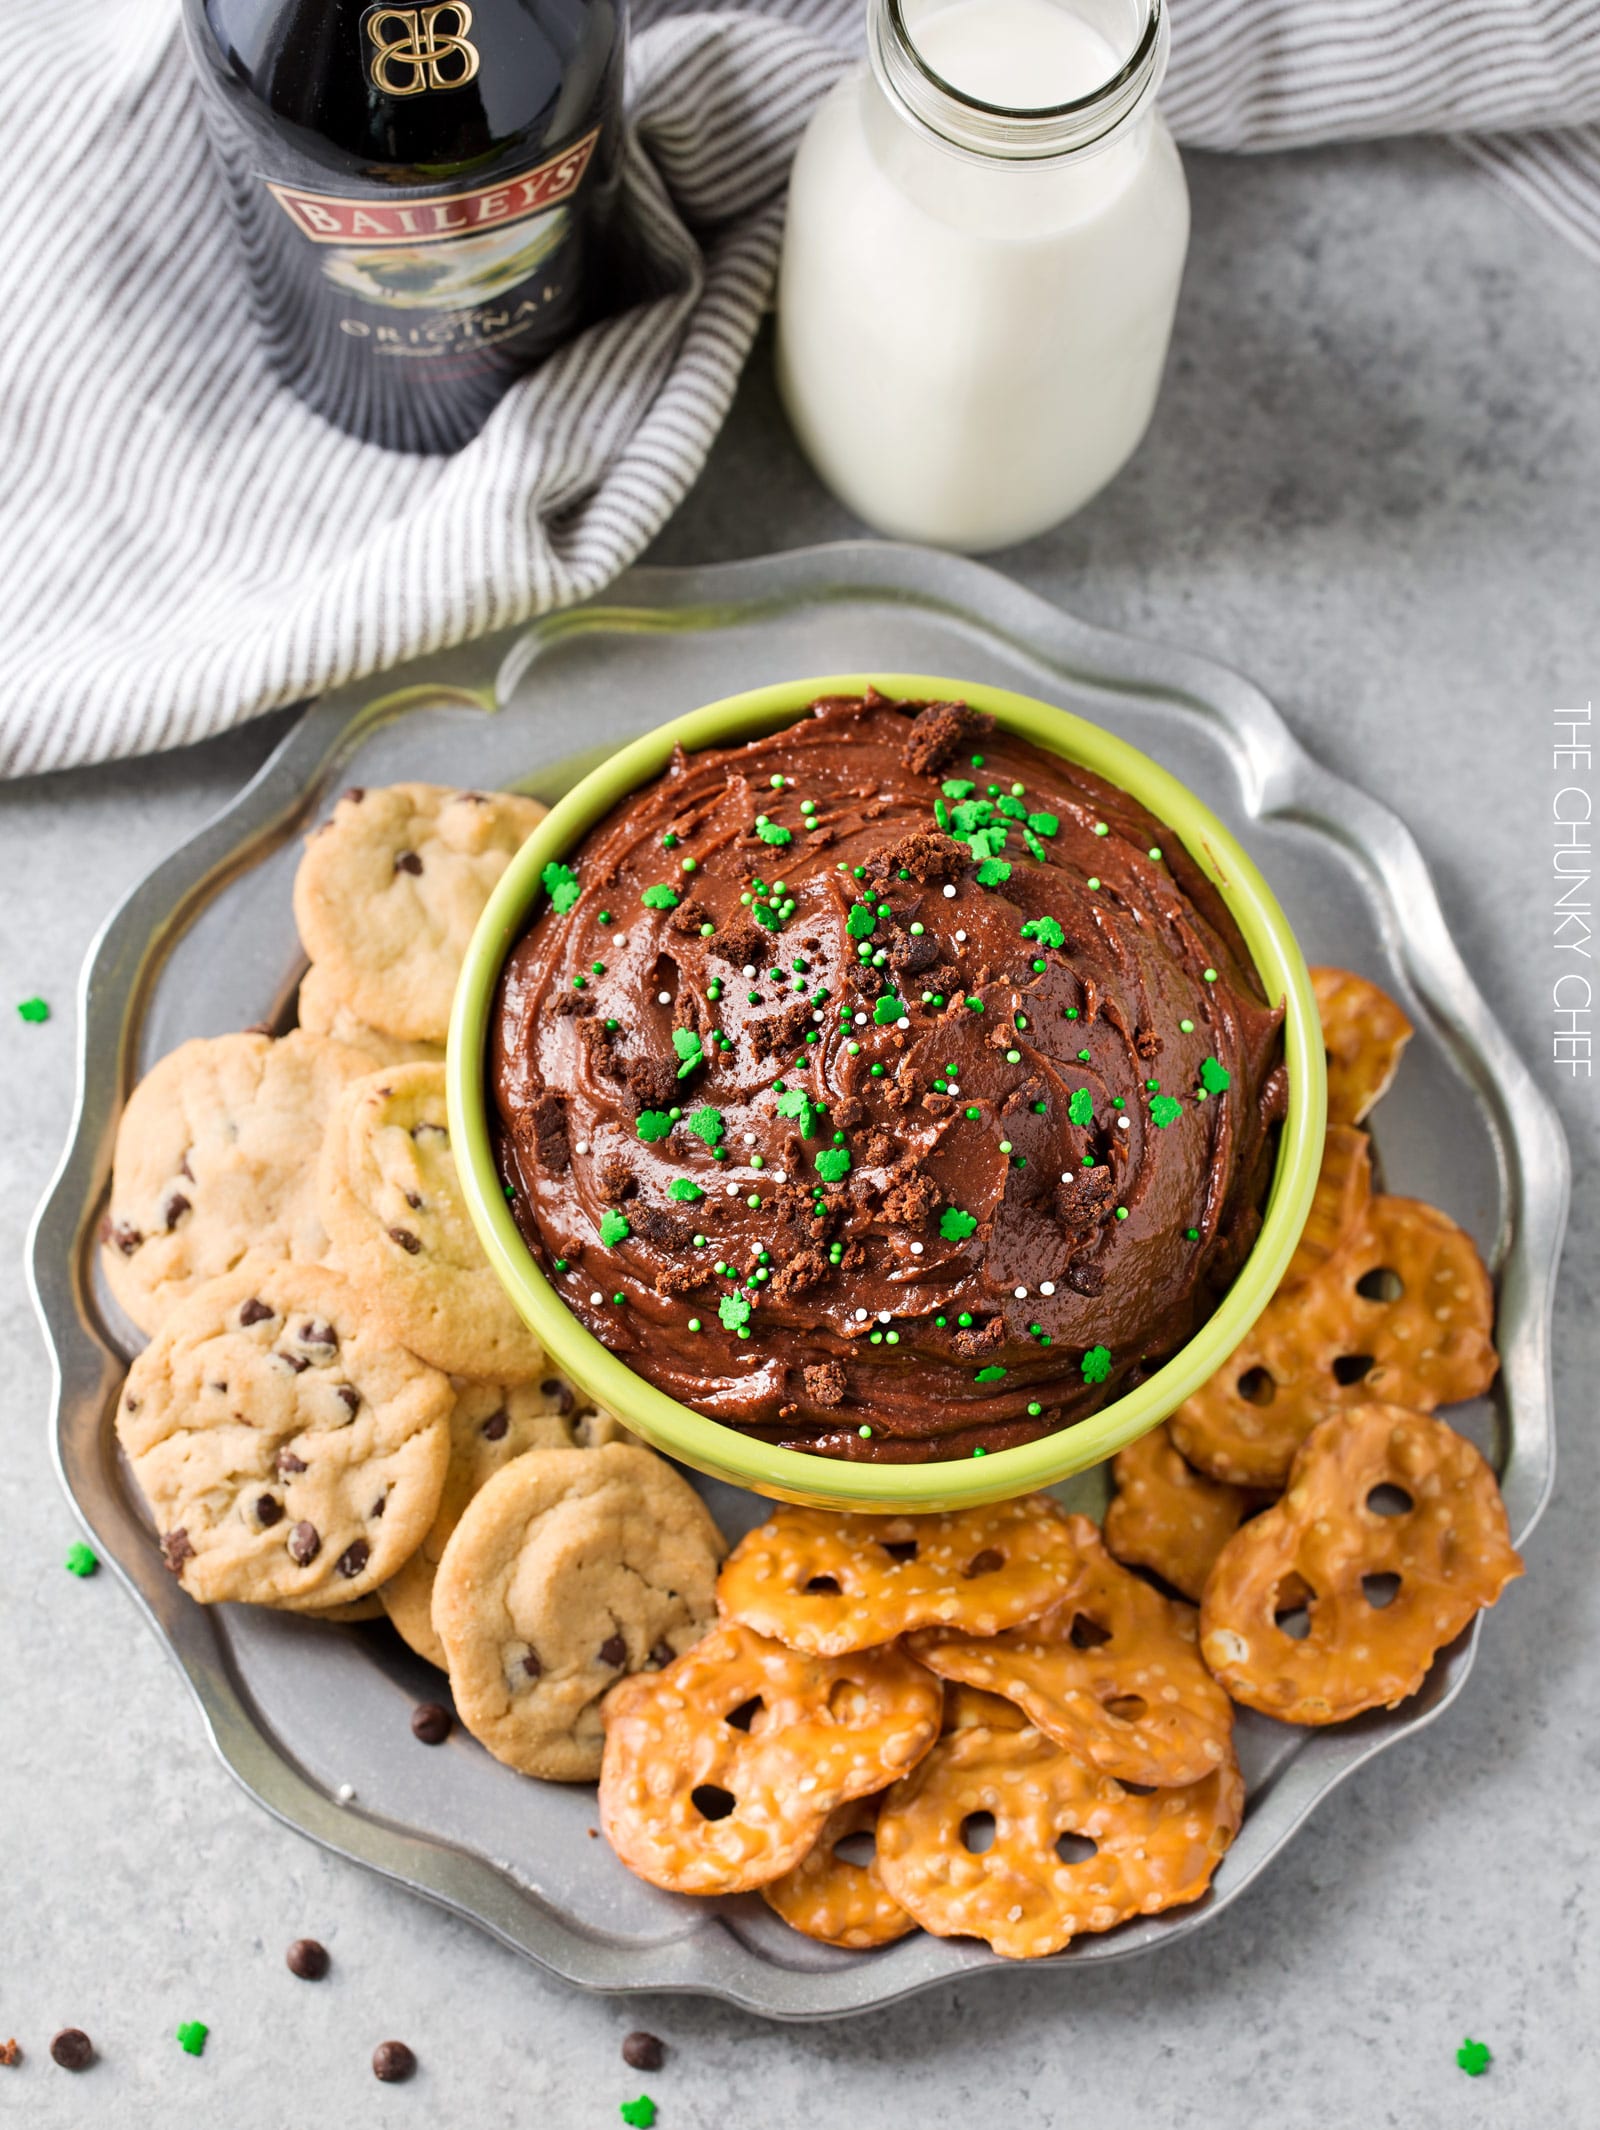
{"x": 423, "y": 193}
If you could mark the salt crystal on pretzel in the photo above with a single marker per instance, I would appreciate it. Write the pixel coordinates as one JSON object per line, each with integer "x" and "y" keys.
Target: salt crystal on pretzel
{"x": 1338, "y": 1205}
{"x": 1368, "y": 1644}
{"x": 826, "y": 1581}
{"x": 1020, "y": 1894}
{"x": 1167, "y": 1516}
{"x": 720, "y": 1770}
{"x": 831, "y": 1897}
{"x": 1112, "y": 1674}
{"x": 1363, "y": 1032}
{"x": 1403, "y": 1315}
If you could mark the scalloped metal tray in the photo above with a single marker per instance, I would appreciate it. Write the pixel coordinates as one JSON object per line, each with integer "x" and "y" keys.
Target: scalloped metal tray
{"x": 207, "y": 943}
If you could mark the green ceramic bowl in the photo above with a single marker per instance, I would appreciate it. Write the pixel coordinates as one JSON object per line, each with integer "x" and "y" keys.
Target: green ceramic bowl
{"x": 793, "y": 1475}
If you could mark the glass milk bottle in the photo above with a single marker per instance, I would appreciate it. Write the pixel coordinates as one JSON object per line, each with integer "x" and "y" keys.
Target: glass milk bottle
{"x": 987, "y": 227}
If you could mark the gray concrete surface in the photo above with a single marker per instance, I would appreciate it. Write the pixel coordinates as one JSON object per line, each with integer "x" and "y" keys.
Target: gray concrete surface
{"x": 1374, "y": 484}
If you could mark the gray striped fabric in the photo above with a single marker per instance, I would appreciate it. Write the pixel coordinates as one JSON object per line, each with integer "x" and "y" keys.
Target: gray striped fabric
{"x": 183, "y": 546}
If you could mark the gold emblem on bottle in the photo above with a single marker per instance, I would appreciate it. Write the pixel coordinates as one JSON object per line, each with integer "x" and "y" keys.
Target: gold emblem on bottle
{"x": 419, "y": 48}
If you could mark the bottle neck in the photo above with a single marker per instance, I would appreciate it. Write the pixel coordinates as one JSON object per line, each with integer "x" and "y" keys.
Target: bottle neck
{"x": 1137, "y": 35}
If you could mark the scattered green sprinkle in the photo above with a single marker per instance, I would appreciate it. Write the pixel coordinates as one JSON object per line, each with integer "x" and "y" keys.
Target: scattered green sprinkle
{"x": 1043, "y": 824}
{"x": 1081, "y": 1106}
{"x": 561, "y": 1264}
{"x": 1013, "y": 1057}
{"x": 1093, "y": 880}
{"x": 955, "y": 1225}
{"x": 975, "y": 1004}
{"x": 980, "y": 1453}
{"x": 734, "y": 1311}
{"x": 1045, "y": 930}
{"x": 958, "y": 787}
{"x": 1165, "y": 1110}
{"x": 993, "y": 872}
{"x": 686, "y": 1191}
{"x": 941, "y": 815}
{"x": 81, "y": 1560}
{"x": 1101, "y": 829}
{"x": 613, "y": 1228}
{"x": 1474, "y": 2057}
{"x": 192, "y": 2037}
{"x": 771, "y": 832}
{"x": 1215, "y": 1077}
{"x": 1155, "y": 852}
{"x": 1122, "y": 1212}
{"x": 687, "y": 864}
{"x": 560, "y": 883}
{"x": 793, "y": 1102}
{"x": 694, "y": 1323}
{"x": 706, "y": 1124}
{"x": 1097, "y": 1364}
{"x": 1034, "y": 1409}
{"x": 974, "y": 1114}
{"x": 1012, "y": 808}
{"x": 654, "y": 1124}
{"x": 833, "y": 1164}
{"x": 1209, "y": 975}
{"x": 991, "y": 1374}
{"x": 660, "y": 897}
{"x": 888, "y": 1010}
{"x": 686, "y": 1043}
{"x": 1193, "y": 1234}
{"x": 640, "y": 2113}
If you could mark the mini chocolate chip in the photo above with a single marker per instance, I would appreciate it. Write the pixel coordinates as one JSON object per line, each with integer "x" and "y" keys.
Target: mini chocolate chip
{"x": 532, "y": 1666}
{"x": 269, "y": 1510}
{"x": 295, "y": 1361}
{"x": 392, "y": 2061}
{"x": 130, "y": 1405}
{"x": 644, "y": 2052}
{"x": 432, "y": 1722}
{"x": 1085, "y": 1278}
{"x": 496, "y": 1424}
{"x": 254, "y": 1311}
{"x": 613, "y": 1650}
{"x": 315, "y": 1333}
{"x": 174, "y": 1209}
{"x": 355, "y": 794}
{"x": 354, "y": 1558}
{"x": 127, "y": 1239}
{"x": 407, "y": 1241}
{"x": 349, "y": 1397}
{"x": 408, "y": 862}
{"x": 288, "y": 1462}
{"x": 72, "y": 2049}
{"x": 176, "y": 1549}
{"x": 305, "y": 1543}
{"x": 379, "y": 1506}
{"x": 307, "y": 1959}
{"x": 414, "y": 1201}
{"x": 662, "y": 1655}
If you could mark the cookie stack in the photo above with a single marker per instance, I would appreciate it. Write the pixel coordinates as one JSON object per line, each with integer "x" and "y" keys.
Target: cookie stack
{"x": 334, "y": 1375}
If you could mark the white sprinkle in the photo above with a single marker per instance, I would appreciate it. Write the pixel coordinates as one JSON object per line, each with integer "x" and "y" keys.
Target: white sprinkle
{"x": 961, "y": 939}
{"x": 733, "y": 1190}
{"x": 861, "y": 1316}
{"x": 621, "y": 940}
{"x": 749, "y": 968}
{"x": 1122, "y": 1124}
{"x": 346, "y": 1793}
{"x": 951, "y": 1088}
{"x": 884, "y": 1317}
{"x": 949, "y": 893}
{"x": 583, "y": 1146}
{"x": 902, "y": 1022}
{"x": 817, "y": 1014}
{"x": 1021, "y": 1293}
{"x": 663, "y": 998}
{"x": 1066, "y": 1175}
{"x": 916, "y": 1249}
{"x": 861, "y": 1020}
{"x": 780, "y": 1175}
{"x": 596, "y": 1299}
{"x": 749, "y": 1138}
{"x": 1047, "y": 1286}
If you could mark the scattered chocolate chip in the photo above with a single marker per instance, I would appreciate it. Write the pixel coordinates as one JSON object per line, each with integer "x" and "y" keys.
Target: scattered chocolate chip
{"x": 176, "y": 1549}
{"x": 408, "y": 862}
{"x": 408, "y": 1242}
{"x": 349, "y": 1397}
{"x": 174, "y": 1209}
{"x": 414, "y": 1201}
{"x": 532, "y": 1666}
{"x": 662, "y": 1655}
{"x": 392, "y": 2061}
{"x": 307, "y": 1959}
{"x": 126, "y": 1238}
{"x": 288, "y": 1462}
{"x": 379, "y": 1506}
{"x": 354, "y": 1558}
{"x": 355, "y": 794}
{"x": 72, "y": 2049}
{"x": 496, "y": 1425}
{"x": 316, "y": 1333}
{"x": 253, "y": 1312}
{"x": 432, "y": 1722}
{"x": 305, "y": 1543}
{"x": 295, "y": 1362}
{"x": 644, "y": 2052}
{"x": 269, "y": 1510}
{"x": 613, "y": 1650}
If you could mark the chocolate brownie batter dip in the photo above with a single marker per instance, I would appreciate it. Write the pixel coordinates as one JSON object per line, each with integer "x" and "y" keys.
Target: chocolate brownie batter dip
{"x": 885, "y": 1087}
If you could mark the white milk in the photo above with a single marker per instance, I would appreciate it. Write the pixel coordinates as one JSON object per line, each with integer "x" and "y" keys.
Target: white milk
{"x": 970, "y": 342}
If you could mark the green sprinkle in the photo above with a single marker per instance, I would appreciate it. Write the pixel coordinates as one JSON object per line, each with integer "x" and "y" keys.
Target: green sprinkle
{"x": 974, "y": 1113}
{"x": 1101, "y": 829}
{"x": 1165, "y": 1110}
{"x": 561, "y": 1264}
{"x": 1474, "y": 2057}
{"x": 1193, "y": 1234}
{"x": 753, "y": 1201}
{"x": 654, "y": 1124}
{"x": 81, "y": 1560}
{"x": 560, "y": 883}
{"x": 687, "y": 864}
{"x": 1005, "y": 1146}
{"x": 1096, "y": 1364}
{"x": 1187, "y": 1027}
{"x": 865, "y": 1433}
{"x": 1034, "y": 1409}
{"x": 1071, "y": 1013}
{"x": 734, "y": 1311}
{"x": 877, "y": 1072}
{"x": 955, "y": 1225}
{"x": 833, "y": 1164}
{"x": 958, "y": 787}
{"x": 965, "y": 1319}
{"x": 640, "y": 2113}
{"x": 770, "y": 832}
{"x": 991, "y": 1374}
{"x": 605, "y": 917}
{"x": 660, "y": 897}
{"x": 888, "y": 1010}
{"x": 975, "y": 1004}
{"x": 994, "y": 872}
{"x": 793, "y": 1102}
{"x": 1013, "y": 809}
{"x": 1093, "y": 880}
{"x": 977, "y": 761}
{"x": 1035, "y": 847}
{"x": 706, "y": 1124}
{"x": 706, "y": 930}
{"x": 1122, "y": 1212}
{"x": 1013, "y": 1057}
{"x": 1046, "y": 931}
{"x": 192, "y": 2037}
{"x": 1155, "y": 852}
{"x": 613, "y": 1229}
{"x": 510, "y": 1189}
{"x": 1081, "y": 1106}
{"x": 687, "y": 1044}
{"x": 694, "y": 1323}
{"x": 1209, "y": 975}
{"x": 980, "y": 1453}
{"x": 1043, "y": 824}
{"x": 1215, "y": 1077}
{"x": 941, "y": 815}
{"x": 669, "y": 841}
{"x": 686, "y": 1192}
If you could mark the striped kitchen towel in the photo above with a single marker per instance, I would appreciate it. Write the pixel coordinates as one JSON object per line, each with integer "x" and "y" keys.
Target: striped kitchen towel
{"x": 183, "y": 545}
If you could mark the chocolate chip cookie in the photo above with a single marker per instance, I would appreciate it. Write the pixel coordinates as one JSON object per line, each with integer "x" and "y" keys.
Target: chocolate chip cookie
{"x": 488, "y": 1428}
{"x": 290, "y": 1452}
{"x": 569, "y": 1570}
{"x": 216, "y": 1157}
{"x": 390, "y": 888}
{"x": 323, "y": 1012}
{"x": 393, "y": 1206}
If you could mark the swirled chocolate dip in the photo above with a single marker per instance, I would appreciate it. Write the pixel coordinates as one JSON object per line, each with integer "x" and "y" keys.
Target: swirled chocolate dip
{"x": 886, "y": 1087}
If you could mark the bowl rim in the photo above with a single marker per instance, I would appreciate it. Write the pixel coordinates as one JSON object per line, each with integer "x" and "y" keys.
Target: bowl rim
{"x": 720, "y": 1450}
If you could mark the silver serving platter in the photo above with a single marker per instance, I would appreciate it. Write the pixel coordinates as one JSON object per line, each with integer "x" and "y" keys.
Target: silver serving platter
{"x": 297, "y": 1710}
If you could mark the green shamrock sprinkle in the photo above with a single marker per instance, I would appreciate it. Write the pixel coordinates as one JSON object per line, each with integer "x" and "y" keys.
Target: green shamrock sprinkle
{"x": 888, "y": 1010}
{"x": 1012, "y": 808}
{"x": 771, "y": 832}
{"x": 734, "y": 1311}
{"x": 986, "y": 842}
{"x": 1081, "y": 1107}
{"x": 613, "y": 1228}
{"x": 956, "y": 1226}
{"x": 993, "y": 872}
{"x": 1096, "y": 1364}
{"x": 958, "y": 787}
{"x": 991, "y": 1374}
{"x": 640, "y": 2113}
{"x": 1045, "y": 930}
{"x": 794, "y": 1102}
{"x": 1474, "y": 2057}
{"x": 1035, "y": 847}
{"x": 1043, "y": 824}
{"x": 660, "y": 897}
{"x": 1215, "y": 1077}
{"x": 81, "y": 1560}
{"x": 833, "y": 1164}
{"x": 972, "y": 814}
{"x": 706, "y": 1124}
{"x": 192, "y": 2037}
{"x": 861, "y": 920}
{"x": 686, "y": 1192}
{"x": 560, "y": 884}
{"x": 941, "y": 815}
{"x": 687, "y": 1044}
{"x": 654, "y": 1124}
{"x": 1165, "y": 1110}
